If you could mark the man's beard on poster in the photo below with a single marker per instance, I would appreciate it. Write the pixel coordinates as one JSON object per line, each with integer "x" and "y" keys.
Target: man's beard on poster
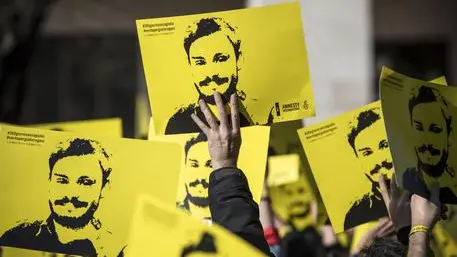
{"x": 74, "y": 223}
{"x": 305, "y": 207}
{"x": 435, "y": 170}
{"x": 198, "y": 200}
{"x": 375, "y": 187}
{"x": 219, "y": 81}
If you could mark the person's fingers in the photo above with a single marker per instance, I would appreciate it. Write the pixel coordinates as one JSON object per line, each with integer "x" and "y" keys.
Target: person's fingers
{"x": 235, "y": 114}
{"x": 395, "y": 191}
{"x": 387, "y": 229}
{"x": 221, "y": 109}
{"x": 404, "y": 199}
{"x": 200, "y": 124}
{"x": 435, "y": 194}
{"x": 208, "y": 115}
{"x": 384, "y": 191}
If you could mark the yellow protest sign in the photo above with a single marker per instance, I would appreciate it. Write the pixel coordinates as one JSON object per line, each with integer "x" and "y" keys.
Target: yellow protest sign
{"x": 444, "y": 241}
{"x": 243, "y": 51}
{"x": 105, "y": 127}
{"x": 18, "y": 252}
{"x": 445, "y": 245}
{"x": 419, "y": 117}
{"x": 450, "y": 224}
{"x": 293, "y": 202}
{"x": 67, "y": 193}
{"x": 283, "y": 169}
{"x": 356, "y": 141}
{"x": 174, "y": 233}
{"x": 194, "y": 178}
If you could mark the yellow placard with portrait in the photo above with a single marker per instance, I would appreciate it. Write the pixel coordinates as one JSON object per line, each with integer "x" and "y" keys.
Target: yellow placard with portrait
{"x": 159, "y": 230}
{"x": 245, "y": 51}
{"x": 356, "y": 142}
{"x": 419, "y": 117}
{"x": 294, "y": 202}
{"x": 196, "y": 167}
{"x": 105, "y": 127}
{"x": 67, "y": 193}
{"x": 19, "y": 252}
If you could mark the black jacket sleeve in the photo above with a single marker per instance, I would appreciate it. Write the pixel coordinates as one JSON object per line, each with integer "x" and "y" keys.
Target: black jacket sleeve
{"x": 232, "y": 206}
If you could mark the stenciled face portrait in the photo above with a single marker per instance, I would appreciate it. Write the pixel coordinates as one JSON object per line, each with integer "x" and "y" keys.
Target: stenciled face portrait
{"x": 431, "y": 136}
{"x": 213, "y": 52}
{"x": 196, "y": 175}
{"x": 297, "y": 199}
{"x": 373, "y": 151}
{"x": 74, "y": 193}
{"x": 368, "y": 140}
{"x": 213, "y": 64}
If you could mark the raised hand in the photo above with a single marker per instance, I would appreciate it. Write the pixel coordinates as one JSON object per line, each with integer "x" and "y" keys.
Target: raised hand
{"x": 224, "y": 137}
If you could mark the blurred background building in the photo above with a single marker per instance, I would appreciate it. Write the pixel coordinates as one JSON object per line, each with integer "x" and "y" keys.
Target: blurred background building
{"x": 86, "y": 62}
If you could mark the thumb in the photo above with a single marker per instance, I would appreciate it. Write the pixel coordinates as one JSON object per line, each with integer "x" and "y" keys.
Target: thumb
{"x": 435, "y": 194}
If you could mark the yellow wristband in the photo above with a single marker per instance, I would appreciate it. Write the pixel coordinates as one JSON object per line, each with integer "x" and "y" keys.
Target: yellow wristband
{"x": 418, "y": 228}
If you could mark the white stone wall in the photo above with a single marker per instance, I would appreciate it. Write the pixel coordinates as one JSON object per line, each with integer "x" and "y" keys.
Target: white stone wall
{"x": 339, "y": 43}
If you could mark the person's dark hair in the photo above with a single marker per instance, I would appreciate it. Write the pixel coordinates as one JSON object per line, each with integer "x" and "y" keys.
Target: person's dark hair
{"x": 364, "y": 120}
{"x": 425, "y": 94}
{"x": 208, "y": 26}
{"x": 206, "y": 245}
{"x": 200, "y": 138}
{"x": 384, "y": 247}
{"x": 82, "y": 147}
{"x": 302, "y": 243}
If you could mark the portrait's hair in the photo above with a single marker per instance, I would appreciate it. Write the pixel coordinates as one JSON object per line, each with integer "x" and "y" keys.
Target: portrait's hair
{"x": 200, "y": 138}
{"x": 364, "y": 120}
{"x": 82, "y": 147}
{"x": 425, "y": 94}
{"x": 206, "y": 245}
{"x": 384, "y": 247}
{"x": 207, "y": 26}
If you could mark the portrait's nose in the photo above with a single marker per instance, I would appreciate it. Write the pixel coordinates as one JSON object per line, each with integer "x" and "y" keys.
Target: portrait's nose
{"x": 73, "y": 190}
{"x": 429, "y": 138}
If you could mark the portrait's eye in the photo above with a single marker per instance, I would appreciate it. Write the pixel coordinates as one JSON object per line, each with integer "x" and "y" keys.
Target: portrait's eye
{"x": 62, "y": 180}
{"x": 301, "y": 190}
{"x": 221, "y": 58}
{"x": 209, "y": 164}
{"x": 200, "y": 62}
{"x": 366, "y": 151}
{"x": 418, "y": 126}
{"x": 85, "y": 181}
{"x": 435, "y": 129}
{"x": 383, "y": 144}
{"x": 193, "y": 164}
